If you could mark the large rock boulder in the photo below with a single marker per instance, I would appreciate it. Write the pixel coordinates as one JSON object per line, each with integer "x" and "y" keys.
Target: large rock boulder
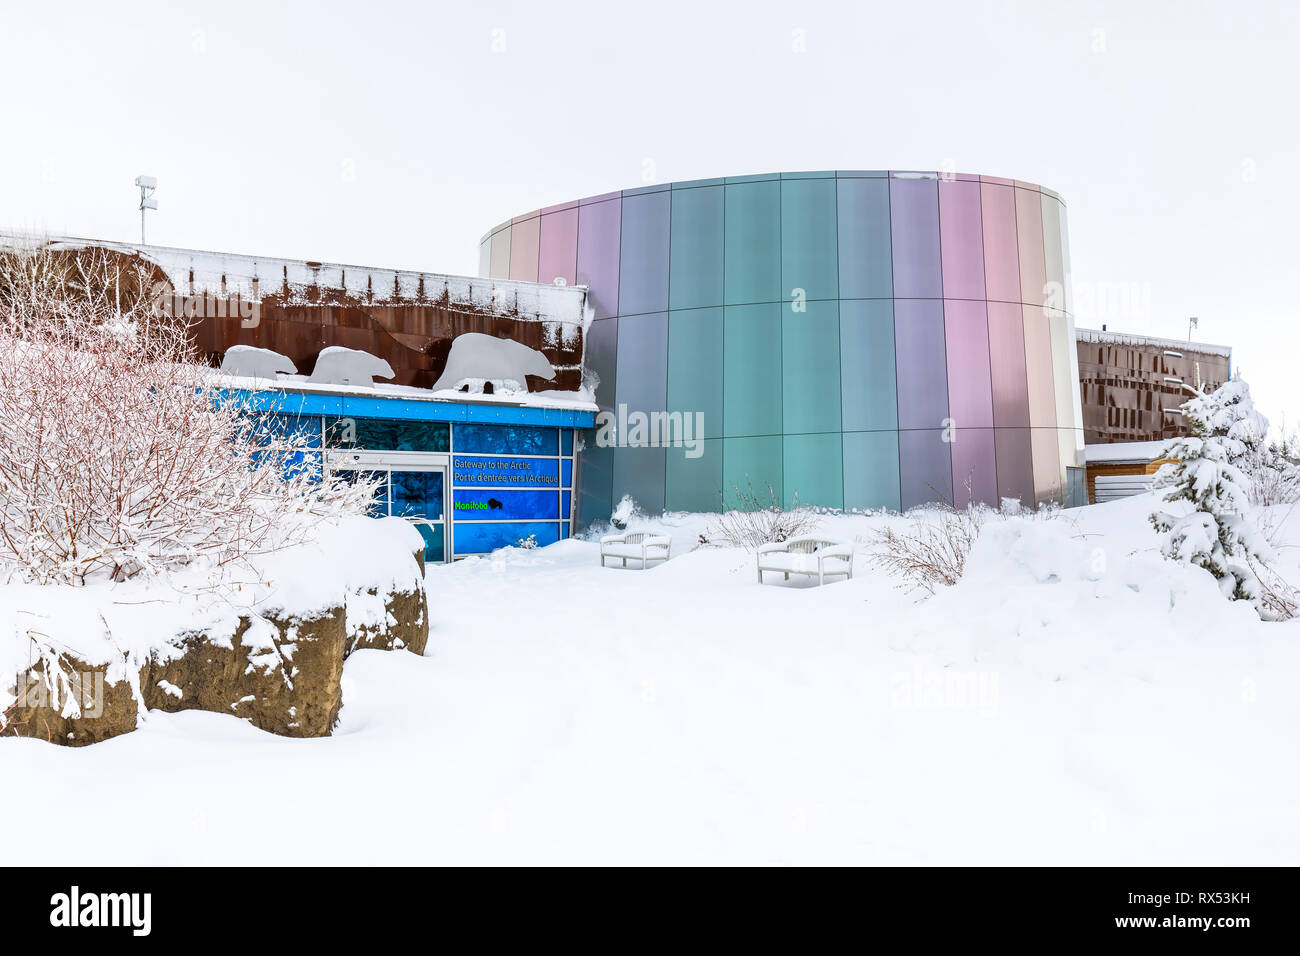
{"x": 91, "y": 703}
{"x": 279, "y": 675}
{"x": 278, "y": 670}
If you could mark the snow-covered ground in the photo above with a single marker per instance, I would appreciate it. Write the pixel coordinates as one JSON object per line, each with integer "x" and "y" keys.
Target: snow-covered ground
{"x": 1075, "y": 699}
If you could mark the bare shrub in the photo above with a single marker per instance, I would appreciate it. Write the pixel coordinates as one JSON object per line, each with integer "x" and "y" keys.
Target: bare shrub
{"x": 1278, "y": 599}
{"x": 748, "y": 520}
{"x": 120, "y": 454}
{"x": 932, "y": 552}
{"x": 1273, "y": 472}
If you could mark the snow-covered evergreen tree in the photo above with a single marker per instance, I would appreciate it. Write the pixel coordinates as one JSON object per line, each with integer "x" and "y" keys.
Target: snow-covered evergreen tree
{"x": 1208, "y": 470}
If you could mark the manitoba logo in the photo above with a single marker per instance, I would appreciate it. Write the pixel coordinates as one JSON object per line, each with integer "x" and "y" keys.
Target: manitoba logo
{"x": 133, "y": 910}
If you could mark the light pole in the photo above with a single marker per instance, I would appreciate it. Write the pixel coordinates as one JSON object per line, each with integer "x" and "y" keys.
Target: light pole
{"x": 147, "y": 185}
{"x": 1192, "y": 323}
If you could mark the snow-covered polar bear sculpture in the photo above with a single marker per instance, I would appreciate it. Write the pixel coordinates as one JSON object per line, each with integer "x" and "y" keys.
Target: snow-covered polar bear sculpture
{"x": 337, "y": 365}
{"x": 476, "y": 358}
{"x": 248, "y": 361}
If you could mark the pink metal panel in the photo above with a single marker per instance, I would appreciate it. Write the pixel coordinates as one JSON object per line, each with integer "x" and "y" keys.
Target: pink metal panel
{"x": 974, "y": 464}
{"x": 1029, "y": 233}
{"x": 1001, "y": 253}
{"x": 961, "y": 242}
{"x": 1038, "y": 367}
{"x": 524, "y": 237}
{"x": 970, "y": 391}
{"x": 558, "y": 255}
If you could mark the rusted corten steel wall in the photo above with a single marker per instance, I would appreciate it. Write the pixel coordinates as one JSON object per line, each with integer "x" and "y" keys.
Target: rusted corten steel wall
{"x": 413, "y": 337}
{"x": 1131, "y": 388}
{"x": 296, "y": 309}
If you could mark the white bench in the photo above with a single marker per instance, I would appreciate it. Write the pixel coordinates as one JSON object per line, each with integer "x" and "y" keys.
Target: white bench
{"x": 819, "y": 558}
{"x": 635, "y": 545}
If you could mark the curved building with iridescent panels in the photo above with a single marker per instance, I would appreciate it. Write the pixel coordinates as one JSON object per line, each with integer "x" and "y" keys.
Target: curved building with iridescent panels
{"x": 858, "y": 339}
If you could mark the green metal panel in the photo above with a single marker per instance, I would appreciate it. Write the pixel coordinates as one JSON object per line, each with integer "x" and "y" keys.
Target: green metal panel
{"x": 871, "y": 470}
{"x": 753, "y": 242}
{"x": 868, "y": 387}
{"x": 752, "y": 370}
{"x": 809, "y": 244}
{"x": 694, "y": 484}
{"x": 751, "y": 464}
{"x": 814, "y": 470}
{"x": 865, "y": 248}
{"x": 810, "y": 368}
{"x": 695, "y": 250}
{"x": 695, "y": 358}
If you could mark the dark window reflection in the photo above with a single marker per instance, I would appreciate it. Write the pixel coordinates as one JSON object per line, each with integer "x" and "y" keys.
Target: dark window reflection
{"x": 384, "y": 435}
{"x": 417, "y": 494}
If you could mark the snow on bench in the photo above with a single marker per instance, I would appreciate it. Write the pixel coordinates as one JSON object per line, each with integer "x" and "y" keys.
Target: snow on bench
{"x": 637, "y": 545}
{"x": 815, "y": 557}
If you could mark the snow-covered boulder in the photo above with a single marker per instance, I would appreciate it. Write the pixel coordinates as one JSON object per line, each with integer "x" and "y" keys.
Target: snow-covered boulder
{"x": 270, "y": 650}
{"x": 476, "y": 358}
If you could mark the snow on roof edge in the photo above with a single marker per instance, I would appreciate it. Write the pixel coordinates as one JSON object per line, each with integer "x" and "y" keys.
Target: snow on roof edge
{"x": 299, "y": 384}
{"x": 1097, "y": 336}
{"x": 197, "y": 270}
{"x": 1124, "y": 451}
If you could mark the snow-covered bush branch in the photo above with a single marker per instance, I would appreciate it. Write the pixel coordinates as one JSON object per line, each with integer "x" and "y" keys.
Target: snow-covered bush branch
{"x": 120, "y": 454}
{"x": 932, "y": 552}
{"x": 1274, "y": 477}
{"x": 749, "y": 520}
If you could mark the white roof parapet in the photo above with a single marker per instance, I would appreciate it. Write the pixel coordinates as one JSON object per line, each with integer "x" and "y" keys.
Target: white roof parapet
{"x": 1124, "y": 452}
{"x": 1098, "y": 337}
{"x": 581, "y": 400}
{"x": 194, "y": 271}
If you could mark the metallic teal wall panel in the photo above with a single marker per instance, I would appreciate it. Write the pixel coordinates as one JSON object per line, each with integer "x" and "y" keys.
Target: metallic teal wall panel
{"x": 694, "y": 483}
{"x": 752, "y": 266}
{"x": 642, "y": 362}
{"x": 600, "y": 356}
{"x": 925, "y": 466}
{"x": 696, "y": 357}
{"x": 868, "y": 383}
{"x": 595, "y": 481}
{"x": 810, "y": 369}
{"x": 914, "y": 225}
{"x": 695, "y": 277}
{"x": 814, "y": 470}
{"x": 871, "y": 470}
{"x": 866, "y": 267}
{"x": 809, "y": 244}
{"x": 643, "y": 268}
{"x": 751, "y": 373}
{"x": 639, "y": 472}
{"x": 752, "y": 466}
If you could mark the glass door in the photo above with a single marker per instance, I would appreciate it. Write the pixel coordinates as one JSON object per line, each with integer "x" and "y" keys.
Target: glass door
{"x": 412, "y": 486}
{"x": 419, "y": 495}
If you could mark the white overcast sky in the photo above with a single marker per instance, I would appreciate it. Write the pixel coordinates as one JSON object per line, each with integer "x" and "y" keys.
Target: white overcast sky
{"x": 394, "y": 134}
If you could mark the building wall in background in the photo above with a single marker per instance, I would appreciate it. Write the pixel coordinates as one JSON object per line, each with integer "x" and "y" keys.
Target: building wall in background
{"x": 1131, "y": 386}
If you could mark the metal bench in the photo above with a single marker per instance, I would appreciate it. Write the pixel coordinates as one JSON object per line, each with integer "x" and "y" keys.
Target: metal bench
{"x": 635, "y": 545}
{"x": 820, "y": 558}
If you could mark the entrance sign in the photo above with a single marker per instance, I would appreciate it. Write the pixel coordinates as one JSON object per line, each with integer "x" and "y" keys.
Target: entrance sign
{"x": 499, "y": 504}
{"x": 491, "y": 471}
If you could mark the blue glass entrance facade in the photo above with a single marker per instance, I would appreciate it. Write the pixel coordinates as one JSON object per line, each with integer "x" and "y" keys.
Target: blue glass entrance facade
{"x": 471, "y": 477}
